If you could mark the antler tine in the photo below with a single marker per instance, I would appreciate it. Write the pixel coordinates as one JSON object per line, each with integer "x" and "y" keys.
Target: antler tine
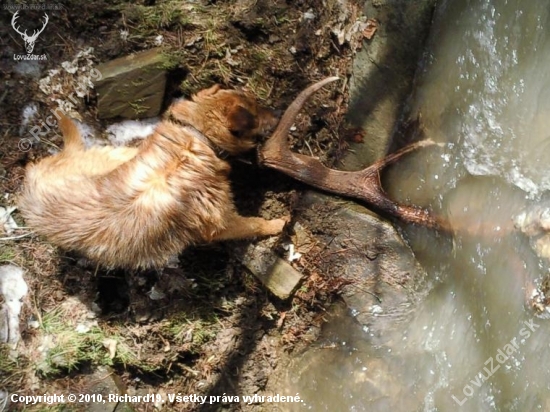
{"x": 292, "y": 111}
{"x": 38, "y": 31}
{"x": 13, "y": 22}
{"x": 46, "y": 20}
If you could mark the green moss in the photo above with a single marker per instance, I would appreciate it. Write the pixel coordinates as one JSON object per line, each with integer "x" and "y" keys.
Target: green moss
{"x": 192, "y": 330}
{"x": 167, "y": 14}
{"x": 171, "y": 58}
{"x": 69, "y": 349}
{"x": 7, "y": 254}
{"x": 8, "y": 364}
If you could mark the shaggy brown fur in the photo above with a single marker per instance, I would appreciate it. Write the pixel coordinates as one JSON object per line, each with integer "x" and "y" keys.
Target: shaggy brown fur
{"x": 135, "y": 207}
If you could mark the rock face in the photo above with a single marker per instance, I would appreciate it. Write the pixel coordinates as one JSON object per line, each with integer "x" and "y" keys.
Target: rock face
{"x": 131, "y": 87}
{"x": 383, "y": 280}
{"x": 383, "y": 74}
{"x": 387, "y": 280}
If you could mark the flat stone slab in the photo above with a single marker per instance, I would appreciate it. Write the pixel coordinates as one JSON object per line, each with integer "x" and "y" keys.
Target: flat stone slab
{"x": 277, "y": 275}
{"x": 132, "y": 86}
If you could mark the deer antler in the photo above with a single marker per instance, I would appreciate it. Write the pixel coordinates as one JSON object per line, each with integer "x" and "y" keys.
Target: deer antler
{"x": 35, "y": 33}
{"x": 364, "y": 184}
{"x": 13, "y": 19}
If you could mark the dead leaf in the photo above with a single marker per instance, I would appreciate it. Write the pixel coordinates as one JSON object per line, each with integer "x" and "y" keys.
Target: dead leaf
{"x": 372, "y": 26}
{"x": 302, "y": 239}
{"x": 281, "y": 320}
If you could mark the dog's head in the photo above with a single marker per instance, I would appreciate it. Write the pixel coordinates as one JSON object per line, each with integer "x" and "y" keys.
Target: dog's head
{"x": 231, "y": 119}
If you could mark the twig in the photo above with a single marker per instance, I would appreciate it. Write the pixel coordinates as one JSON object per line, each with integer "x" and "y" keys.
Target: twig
{"x": 16, "y": 237}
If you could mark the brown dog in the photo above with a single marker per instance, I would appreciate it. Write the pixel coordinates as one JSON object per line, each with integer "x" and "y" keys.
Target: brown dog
{"x": 135, "y": 207}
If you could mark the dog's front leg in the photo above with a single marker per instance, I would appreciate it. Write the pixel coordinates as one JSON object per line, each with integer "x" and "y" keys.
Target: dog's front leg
{"x": 240, "y": 227}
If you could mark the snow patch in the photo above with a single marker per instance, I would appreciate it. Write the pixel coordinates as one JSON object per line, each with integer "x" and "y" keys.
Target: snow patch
{"x": 120, "y": 134}
{"x": 30, "y": 112}
{"x": 13, "y": 288}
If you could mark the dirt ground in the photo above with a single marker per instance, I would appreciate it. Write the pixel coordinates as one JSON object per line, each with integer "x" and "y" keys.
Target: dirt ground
{"x": 203, "y": 325}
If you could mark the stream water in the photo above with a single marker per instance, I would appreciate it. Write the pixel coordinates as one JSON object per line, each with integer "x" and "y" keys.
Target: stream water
{"x": 473, "y": 344}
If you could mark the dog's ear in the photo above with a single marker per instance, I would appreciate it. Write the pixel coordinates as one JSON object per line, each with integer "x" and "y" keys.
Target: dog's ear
{"x": 241, "y": 121}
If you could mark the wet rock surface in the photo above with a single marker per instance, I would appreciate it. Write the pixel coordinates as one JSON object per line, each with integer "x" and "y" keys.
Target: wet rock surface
{"x": 382, "y": 279}
{"x": 381, "y": 282}
{"x": 385, "y": 279}
{"x": 383, "y": 74}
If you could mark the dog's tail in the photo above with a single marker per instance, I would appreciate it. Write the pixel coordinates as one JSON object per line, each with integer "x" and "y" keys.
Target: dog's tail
{"x": 71, "y": 135}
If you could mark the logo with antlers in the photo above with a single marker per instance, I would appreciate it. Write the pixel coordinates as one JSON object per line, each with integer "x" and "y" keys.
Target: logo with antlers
{"x": 29, "y": 40}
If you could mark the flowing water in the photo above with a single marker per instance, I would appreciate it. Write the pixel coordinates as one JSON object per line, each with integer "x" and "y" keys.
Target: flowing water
{"x": 473, "y": 344}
